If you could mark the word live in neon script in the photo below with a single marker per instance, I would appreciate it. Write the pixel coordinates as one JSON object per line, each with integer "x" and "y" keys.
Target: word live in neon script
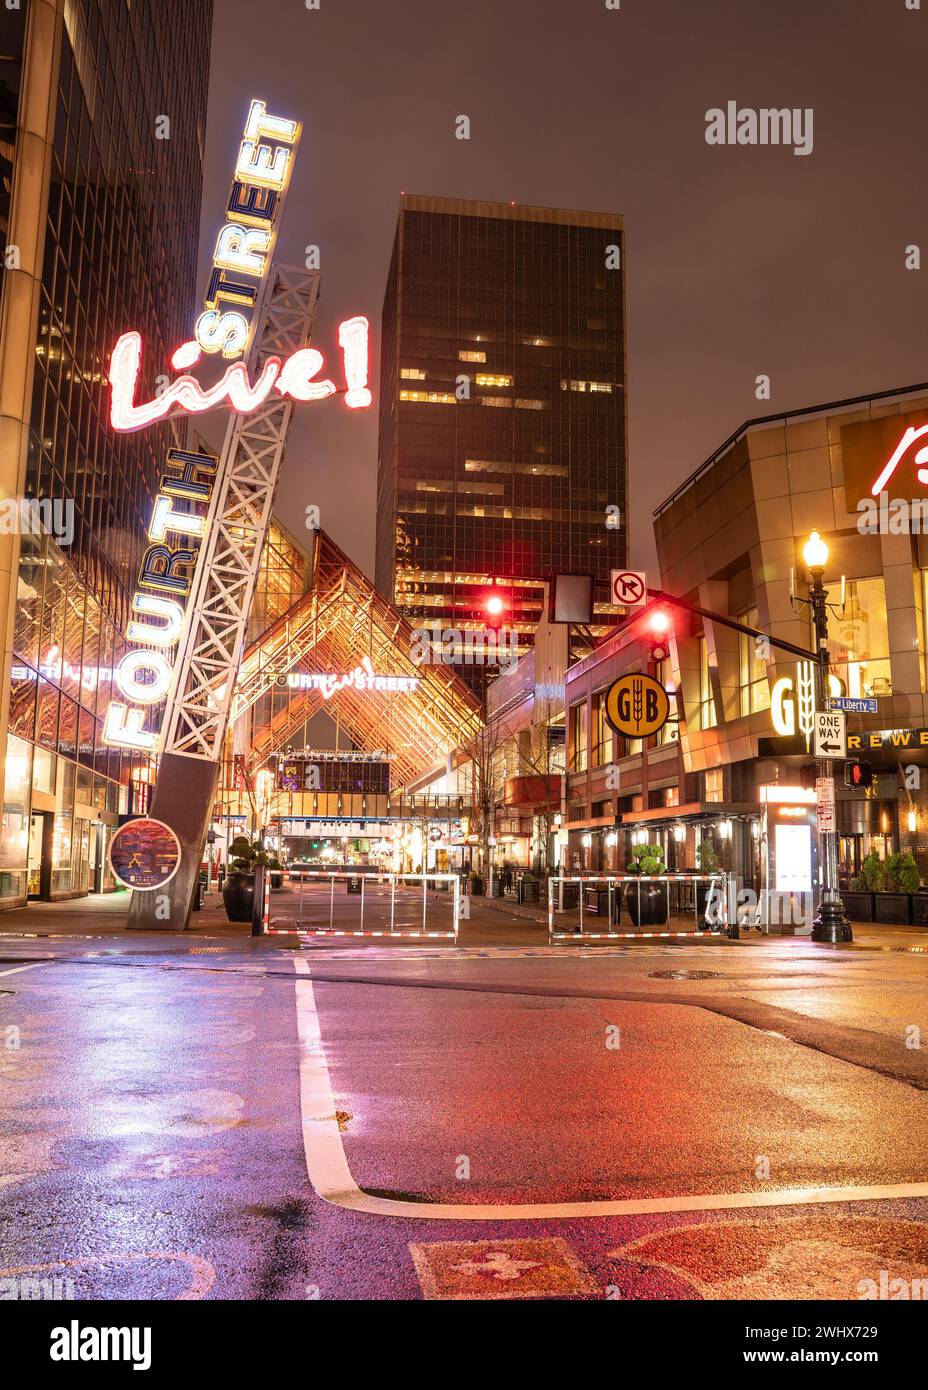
{"x": 293, "y": 378}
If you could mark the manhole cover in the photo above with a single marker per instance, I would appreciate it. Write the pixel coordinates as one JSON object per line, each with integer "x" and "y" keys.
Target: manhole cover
{"x": 685, "y": 975}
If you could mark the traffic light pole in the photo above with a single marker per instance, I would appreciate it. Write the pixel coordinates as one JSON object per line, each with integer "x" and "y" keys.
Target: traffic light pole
{"x": 830, "y": 922}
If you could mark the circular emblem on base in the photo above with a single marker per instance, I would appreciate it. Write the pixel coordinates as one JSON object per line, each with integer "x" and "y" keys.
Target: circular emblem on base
{"x": 144, "y": 853}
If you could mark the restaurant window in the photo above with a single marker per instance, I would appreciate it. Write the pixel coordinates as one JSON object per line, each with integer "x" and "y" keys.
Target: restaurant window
{"x": 670, "y": 733}
{"x": 755, "y": 688}
{"x": 713, "y": 785}
{"x": 601, "y": 740}
{"x": 578, "y": 740}
{"x": 707, "y": 716}
{"x": 858, "y": 640}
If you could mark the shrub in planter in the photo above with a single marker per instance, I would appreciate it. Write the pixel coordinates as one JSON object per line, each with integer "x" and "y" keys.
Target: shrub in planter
{"x": 871, "y": 873}
{"x": 647, "y": 903}
{"x": 476, "y": 885}
{"x": 238, "y": 889}
{"x": 907, "y": 873}
{"x": 892, "y": 903}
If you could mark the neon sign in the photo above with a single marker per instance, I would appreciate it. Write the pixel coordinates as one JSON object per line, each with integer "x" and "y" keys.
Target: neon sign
{"x": 246, "y": 240}
{"x": 905, "y": 443}
{"x": 241, "y": 261}
{"x": 165, "y": 577}
{"x": 293, "y": 378}
{"x": 792, "y": 706}
{"x": 362, "y": 678}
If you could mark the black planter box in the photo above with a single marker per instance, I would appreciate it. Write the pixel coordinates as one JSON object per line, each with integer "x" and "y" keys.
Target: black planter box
{"x": 859, "y": 904}
{"x": 476, "y": 887}
{"x": 919, "y": 906}
{"x": 529, "y": 890}
{"x": 647, "y": 903}
{"x": 238, "y": 896}
{"x": 596, "y": 901}
{"x": 892, "y": 907}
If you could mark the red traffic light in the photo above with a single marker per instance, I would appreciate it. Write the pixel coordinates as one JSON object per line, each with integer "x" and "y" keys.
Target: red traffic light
{"x": 659, "y": 626}
{"x": 494, "y": 608}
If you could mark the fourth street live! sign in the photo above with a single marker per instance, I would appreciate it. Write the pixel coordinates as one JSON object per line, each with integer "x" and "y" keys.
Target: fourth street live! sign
{"x": 830, "y": 734}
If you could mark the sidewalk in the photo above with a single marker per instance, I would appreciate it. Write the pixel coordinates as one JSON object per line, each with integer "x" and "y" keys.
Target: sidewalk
{"x": 493, "y": 922}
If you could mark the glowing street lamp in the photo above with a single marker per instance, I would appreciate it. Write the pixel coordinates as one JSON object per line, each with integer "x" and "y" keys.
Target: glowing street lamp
{"x": 815, "y": 553}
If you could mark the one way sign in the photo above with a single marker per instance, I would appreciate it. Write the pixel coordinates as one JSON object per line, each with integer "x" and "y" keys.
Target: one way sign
{"x": 830, "y": 734}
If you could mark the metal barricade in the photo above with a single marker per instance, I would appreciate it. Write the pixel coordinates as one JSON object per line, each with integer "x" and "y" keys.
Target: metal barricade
{"x": 371, "y": 905}
{"x": 714, "y": 916}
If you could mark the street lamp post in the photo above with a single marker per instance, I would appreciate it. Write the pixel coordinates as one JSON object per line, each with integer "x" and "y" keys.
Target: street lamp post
{"x": 830, "y": 922}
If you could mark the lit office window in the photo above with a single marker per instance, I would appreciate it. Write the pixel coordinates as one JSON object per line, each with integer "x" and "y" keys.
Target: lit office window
{"x": 713, "y": 785}
{"x": 472, "y": 356}
{"x": 601, "y": 741}
{"x": 428, "y": 397}
{"x": 412, "y": 373}
{"x": 670, "y": 733}
{"x": 491, "y": 379}
{"x": 755, "y": 688}
{"x": 603, "y": 387}
{"x": 707, "y": 715}
{"x": 578, "y": 740}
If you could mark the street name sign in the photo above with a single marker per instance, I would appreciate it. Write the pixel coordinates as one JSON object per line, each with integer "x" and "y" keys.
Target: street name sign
{"x": 630, "y": 587}
{"x": 851, "y": 705}
{"x": 830, "y": 734}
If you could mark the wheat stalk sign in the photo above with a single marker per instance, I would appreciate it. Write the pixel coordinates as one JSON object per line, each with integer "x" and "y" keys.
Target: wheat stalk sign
{"x": 637, "y": 705}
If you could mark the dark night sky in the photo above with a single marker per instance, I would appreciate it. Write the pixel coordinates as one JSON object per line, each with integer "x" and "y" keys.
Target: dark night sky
{"x": 739, "y": 260}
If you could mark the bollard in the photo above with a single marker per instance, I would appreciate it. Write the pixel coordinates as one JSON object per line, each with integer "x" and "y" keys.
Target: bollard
{"x": 259, "y": 903}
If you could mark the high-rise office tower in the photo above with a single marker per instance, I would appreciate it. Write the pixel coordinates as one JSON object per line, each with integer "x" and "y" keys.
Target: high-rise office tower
{"x": 102, "y": 122}
{"x": 502, "y": 413}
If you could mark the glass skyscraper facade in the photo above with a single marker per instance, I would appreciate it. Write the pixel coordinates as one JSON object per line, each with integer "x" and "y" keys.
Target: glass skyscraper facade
{"x": 116, "y": 249}
{"x": 502, "y": 411}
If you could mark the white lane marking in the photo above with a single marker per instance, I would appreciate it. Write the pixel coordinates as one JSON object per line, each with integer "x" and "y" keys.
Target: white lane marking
{"x": 327, "y": 1164}
{"x": 33, "y": 966}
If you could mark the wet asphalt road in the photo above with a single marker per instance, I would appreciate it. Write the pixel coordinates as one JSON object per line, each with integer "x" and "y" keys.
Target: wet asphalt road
{"x": 165, "y": 1103}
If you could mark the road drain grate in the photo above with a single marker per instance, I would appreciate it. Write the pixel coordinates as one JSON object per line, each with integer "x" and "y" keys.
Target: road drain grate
{"x": 685, "y": 975}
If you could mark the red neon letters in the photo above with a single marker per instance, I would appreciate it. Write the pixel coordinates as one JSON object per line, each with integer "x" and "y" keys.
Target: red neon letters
{"x": 905, "y": 443}
{"x": 293, "y": 378}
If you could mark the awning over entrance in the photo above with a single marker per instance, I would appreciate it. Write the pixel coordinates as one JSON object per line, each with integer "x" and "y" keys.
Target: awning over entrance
{"x": 343, "y": 647}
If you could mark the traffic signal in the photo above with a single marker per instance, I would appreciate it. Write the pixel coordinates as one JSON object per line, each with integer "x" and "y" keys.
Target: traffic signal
{"x": 858, "y": 774}
{"x": 494, "y": 608}
{"x": 658, "y": 625}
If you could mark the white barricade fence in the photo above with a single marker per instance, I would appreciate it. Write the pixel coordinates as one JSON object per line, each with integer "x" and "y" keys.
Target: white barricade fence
{"x": 382, "y": 901}
{"x": 710, "y": 910}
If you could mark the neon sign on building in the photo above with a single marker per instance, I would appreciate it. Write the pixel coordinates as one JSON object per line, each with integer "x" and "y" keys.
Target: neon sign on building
{"x": 362, "y": 678}
{"x": 165, "y": 577}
